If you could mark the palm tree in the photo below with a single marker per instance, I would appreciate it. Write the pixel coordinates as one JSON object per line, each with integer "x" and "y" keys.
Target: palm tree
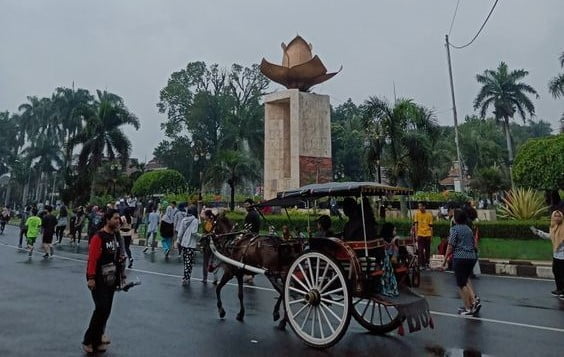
{"x": 556, "y": 84}
{"x": 404, "y": 132}
{"x": 234, "y": 167}
{"x": 102, "y": 137}
{"x": 506, "y": 93}
{"x": 556, "y": 88}
{"x": 70, "y": 108}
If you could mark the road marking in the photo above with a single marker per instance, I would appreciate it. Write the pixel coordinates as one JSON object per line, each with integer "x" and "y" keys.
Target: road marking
{"x": 437, "y": 313}
{"x": 498, "y": 321}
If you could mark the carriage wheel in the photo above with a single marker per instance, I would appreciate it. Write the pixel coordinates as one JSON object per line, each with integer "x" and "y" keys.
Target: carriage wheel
{"x": 375, "y": 317}
{"x": 317, "y": 299}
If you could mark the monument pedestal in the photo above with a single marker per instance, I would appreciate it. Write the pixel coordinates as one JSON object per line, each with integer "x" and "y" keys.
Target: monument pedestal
{"x": 297, "y": 145}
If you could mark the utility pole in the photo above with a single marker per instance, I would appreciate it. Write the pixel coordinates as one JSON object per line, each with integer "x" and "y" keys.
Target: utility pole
{"x": 454, "y": 114}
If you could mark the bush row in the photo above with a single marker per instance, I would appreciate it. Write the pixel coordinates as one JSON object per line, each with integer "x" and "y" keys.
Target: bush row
{"x": 490, "y": 229}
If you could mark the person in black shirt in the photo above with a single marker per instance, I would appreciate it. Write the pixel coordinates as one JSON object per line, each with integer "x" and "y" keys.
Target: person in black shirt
{"x": 253, "y": 217}
{"x": 103, "y": 251}
{"x": 48, "y": 222}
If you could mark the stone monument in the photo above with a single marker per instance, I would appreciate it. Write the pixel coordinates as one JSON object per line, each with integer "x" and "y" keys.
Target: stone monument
{"x": 297, "y": 142}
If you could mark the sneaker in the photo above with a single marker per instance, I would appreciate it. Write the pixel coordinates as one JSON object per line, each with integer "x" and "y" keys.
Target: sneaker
{"x": 88, "y": 348}
{"x": 460, "y": 310}
{"x": 130, "y": 263}
{"x": 466, "y": 312}
{"x": 46, "y": 255}
{"x": 556, "y": 293}
{"x": 145, "y": 250}
{"x": 477, "y": 299}
{"x": 476, "y": 307}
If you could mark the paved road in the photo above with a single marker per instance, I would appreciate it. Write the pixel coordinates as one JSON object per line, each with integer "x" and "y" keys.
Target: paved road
{"x": 45, "y": 307}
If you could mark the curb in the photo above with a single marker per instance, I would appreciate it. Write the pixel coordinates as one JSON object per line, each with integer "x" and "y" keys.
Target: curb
{"x": 517, "y": 268}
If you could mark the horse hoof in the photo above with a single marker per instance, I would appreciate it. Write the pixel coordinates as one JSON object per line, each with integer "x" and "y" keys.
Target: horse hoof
{"x": 221, "y": 313}
{"x": 276, "y": 316}
{"x": 239, "y": 317}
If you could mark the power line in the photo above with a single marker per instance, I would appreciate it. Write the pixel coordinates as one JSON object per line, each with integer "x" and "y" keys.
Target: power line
{"x": 479, "y": 31}
{"x": 453, "y": 17}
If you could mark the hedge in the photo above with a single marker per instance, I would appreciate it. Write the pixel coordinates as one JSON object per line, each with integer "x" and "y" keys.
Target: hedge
{"x": 490, "y": 229}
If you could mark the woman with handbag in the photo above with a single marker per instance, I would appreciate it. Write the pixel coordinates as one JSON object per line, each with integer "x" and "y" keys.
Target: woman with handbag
{"x": 103, "y": 277}
{"x": 187, "y": 241}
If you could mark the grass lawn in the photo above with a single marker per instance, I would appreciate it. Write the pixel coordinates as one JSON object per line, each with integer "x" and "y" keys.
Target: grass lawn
{"x": 515, "y": 249}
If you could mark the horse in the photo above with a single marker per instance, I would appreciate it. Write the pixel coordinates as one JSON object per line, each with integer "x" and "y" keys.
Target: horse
{"x": 253, "y": 250}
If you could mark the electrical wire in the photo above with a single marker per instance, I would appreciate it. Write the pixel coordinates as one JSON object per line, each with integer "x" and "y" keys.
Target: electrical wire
{"x": 479, "y": 31}
{"x": 453, "y": 17}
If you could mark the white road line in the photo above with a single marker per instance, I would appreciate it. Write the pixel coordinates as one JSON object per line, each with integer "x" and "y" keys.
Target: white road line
{"x": 498, "y": 321}
{"x": 510, "y": 277}
{"x": 438, "y": 313}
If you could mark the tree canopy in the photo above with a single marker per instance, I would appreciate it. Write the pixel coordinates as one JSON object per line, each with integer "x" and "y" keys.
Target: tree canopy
{"x": 539, "y": 164}
{"x": 159, "y": 182}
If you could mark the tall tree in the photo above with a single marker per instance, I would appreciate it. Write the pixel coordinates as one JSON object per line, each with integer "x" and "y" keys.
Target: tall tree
{"x": 506, "y": 93}
{"x": 70, "y": 107}
{"x": 234, "y": 167}
{"x": 348, "y": 141}
{"x": 408, "y": 130}
{"x": 556, "y": 88}
{"x": 212, "y": 109}
{"x": 102, "y": 136}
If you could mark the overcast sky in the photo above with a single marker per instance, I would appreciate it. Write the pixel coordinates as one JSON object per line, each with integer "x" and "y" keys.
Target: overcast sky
{"x": 130, "y": 47}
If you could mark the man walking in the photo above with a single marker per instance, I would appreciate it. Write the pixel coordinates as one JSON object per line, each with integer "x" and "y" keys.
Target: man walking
{"x": 24, "y": 215}
{"x": 152, "y": 225}
{"x": 49, "y": 223}
{"x": 102, "y": 276}
{"x": 32, "y": 228}
{"x": 423, "y": 222}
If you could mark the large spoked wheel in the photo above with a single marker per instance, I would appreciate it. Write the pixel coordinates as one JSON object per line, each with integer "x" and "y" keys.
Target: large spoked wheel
{"x": 374, "y": 316}
{"x": 317, "y": 299}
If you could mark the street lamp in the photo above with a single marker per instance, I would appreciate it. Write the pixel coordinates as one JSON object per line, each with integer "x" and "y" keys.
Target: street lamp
{"x": 114, "y": 167}
{"x": 197, "y": 157}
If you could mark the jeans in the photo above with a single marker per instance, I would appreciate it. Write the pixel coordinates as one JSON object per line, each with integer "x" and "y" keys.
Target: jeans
{"x": 127, "y": 244}
{"x": 558, "y": 270}
{"x": 103, "y": 297}
{"x": 59, "y": 232}
{"x": 167, "y": 243}
{"x": 23, "y": 232}
{"x": 424, "y": 246}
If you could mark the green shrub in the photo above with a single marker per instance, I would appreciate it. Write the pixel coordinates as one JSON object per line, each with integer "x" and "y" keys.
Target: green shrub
{"x": 490, "y": 229}
{"x": 158, "y": 182}
{"x": 523, "y": 204}
{"x": 445, "y": 196}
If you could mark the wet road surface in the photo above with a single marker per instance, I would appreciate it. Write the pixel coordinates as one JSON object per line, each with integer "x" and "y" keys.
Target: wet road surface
{"x": 45, "y": 308}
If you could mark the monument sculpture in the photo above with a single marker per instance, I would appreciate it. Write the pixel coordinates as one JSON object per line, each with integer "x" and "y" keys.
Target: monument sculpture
{"x": 297, "y": 145}
{"x": 299, "y": 69}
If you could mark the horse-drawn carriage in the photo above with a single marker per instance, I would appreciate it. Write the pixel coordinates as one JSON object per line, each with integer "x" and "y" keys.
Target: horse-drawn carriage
{"x": 324, "y": 281}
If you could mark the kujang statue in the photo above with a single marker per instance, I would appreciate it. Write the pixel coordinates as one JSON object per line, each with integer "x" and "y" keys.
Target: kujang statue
{"x": 300, "y": 69}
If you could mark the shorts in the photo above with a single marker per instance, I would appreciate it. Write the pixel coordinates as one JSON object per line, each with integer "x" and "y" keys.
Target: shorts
{"x": 462, "y": 270}
{"x": 31, "y": 240}
{"x": 48, "y": 238}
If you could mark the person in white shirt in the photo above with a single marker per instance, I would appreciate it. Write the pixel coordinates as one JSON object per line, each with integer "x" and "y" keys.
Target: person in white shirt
{"x": 153, "y": 219}
{"x": 187, "y": 241}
